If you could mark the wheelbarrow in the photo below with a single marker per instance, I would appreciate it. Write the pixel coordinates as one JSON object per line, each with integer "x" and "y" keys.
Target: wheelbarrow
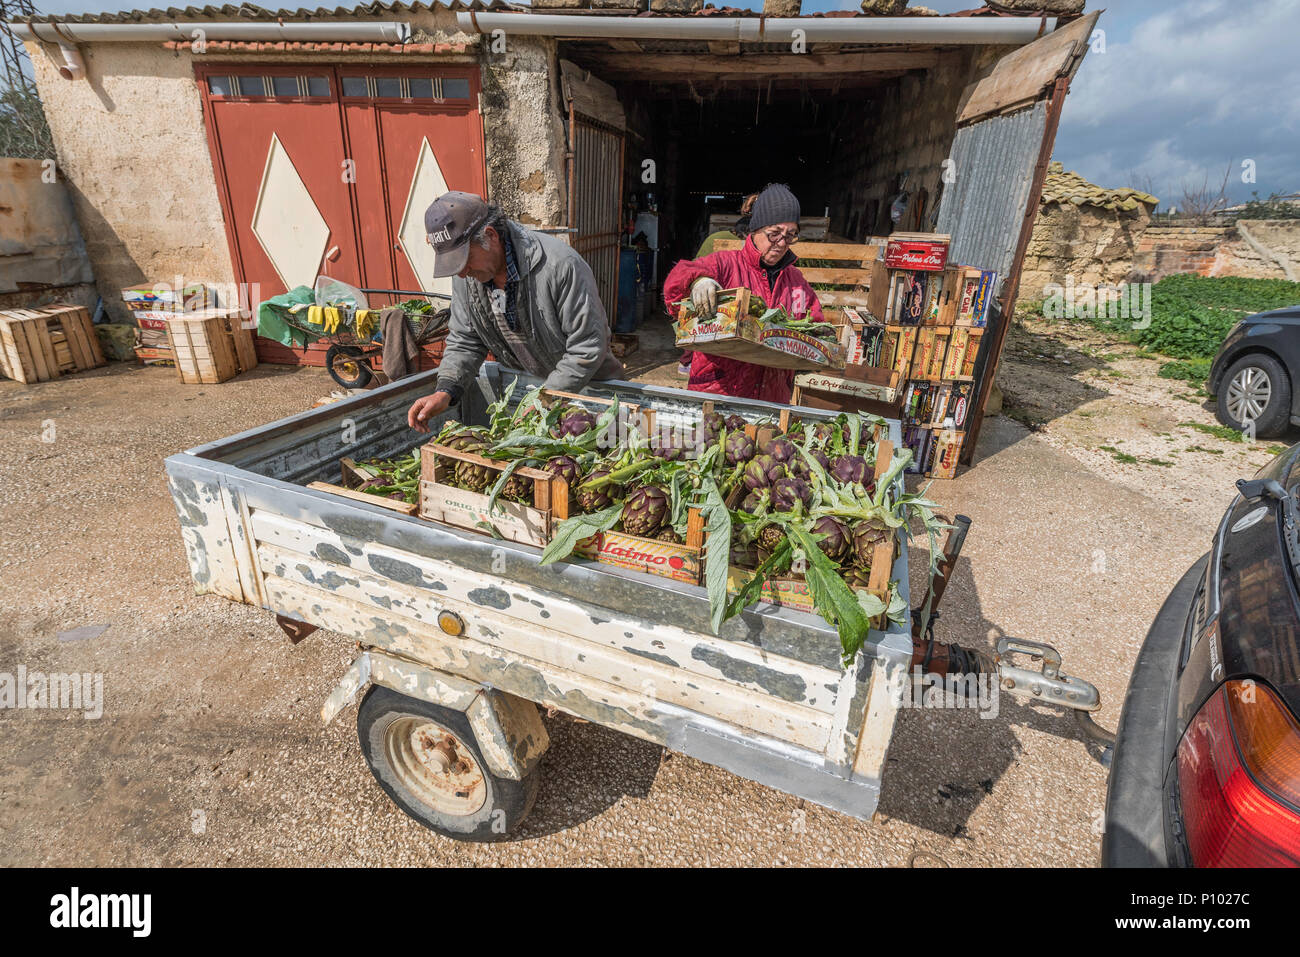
{"x": 350, "y": 357}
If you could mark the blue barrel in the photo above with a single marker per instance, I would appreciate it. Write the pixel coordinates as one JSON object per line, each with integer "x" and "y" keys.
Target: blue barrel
{"x": 627, "y": 290}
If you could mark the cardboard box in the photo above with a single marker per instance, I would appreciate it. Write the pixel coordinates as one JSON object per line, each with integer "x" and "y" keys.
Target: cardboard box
{"x": 927, "y": 251}
{"x": 733, "y": 333}
{"x": 164, "y": 297}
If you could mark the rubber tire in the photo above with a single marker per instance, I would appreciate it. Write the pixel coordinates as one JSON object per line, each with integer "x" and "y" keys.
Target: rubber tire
{"x": 364, "y": 375}
{"x": 1277, "y": 415}
{"x": 513, "y": 799}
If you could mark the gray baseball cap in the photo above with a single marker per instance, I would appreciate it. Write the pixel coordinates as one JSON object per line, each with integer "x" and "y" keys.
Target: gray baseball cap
{"x": 451, "y": 221}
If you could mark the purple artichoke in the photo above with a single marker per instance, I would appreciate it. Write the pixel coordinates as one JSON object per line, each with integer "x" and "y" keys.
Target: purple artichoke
{"x": 712, "y": 426}
{"x": 787, "y": 492}
{"x": 666, "y": 534}
{"x": 739, "y": 448}
{"x": 781, "y": 449}
{"x": 565, "y": 467}
{"x": 752, "y": 501}
{"x": 668, "y": 446}
{"x": 838, "y": 543}
{"x": 736, "y": 423}
{"x": 646, "y": 510}
{"x": 850, "y": 469}
{"x": 866, "y": 536}
{"x": 574, "y": 421}
{"x": 472, "y": 476}
{"x": 594, "y": 499}
{"x": 760, "y": 472}
{"x": 822, "y": 458}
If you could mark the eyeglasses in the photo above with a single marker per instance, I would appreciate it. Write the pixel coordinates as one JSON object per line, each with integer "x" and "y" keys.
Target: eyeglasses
{"x": 777, "y": 236}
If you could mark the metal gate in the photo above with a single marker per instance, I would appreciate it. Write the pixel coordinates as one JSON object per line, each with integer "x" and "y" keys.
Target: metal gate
{"x": 596, "y": 200}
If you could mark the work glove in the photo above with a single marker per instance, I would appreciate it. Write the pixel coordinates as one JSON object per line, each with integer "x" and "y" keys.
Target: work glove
{"x": 704, "y": 296}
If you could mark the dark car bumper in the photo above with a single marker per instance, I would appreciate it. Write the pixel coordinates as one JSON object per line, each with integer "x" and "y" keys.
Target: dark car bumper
{"x": 1135, "y": 797}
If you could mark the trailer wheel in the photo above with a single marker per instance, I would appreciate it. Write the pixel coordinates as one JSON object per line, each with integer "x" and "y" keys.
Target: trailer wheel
{"x": 426, "y": 758}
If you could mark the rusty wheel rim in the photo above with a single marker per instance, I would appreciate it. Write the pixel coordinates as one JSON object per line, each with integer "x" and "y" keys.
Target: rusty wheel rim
{"x": 348, "y": 368}
{"x": 436, "y": 766}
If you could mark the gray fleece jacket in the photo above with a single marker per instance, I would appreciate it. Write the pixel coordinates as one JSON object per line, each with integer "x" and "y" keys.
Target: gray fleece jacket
{"x": 560, "y": 316}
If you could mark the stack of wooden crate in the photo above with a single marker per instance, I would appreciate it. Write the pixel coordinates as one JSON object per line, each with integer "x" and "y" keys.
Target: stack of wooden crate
{"x": 37, "y": 345}
{"x": 210, "y": 346}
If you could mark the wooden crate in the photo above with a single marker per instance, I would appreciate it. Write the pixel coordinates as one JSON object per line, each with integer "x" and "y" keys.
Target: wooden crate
{"x": 684, "y": 563}
{"x": 210, "y": 346}
{"x": 735, "y": 334}
{"x": 37, "y": 345}
{"x": 443, "y": 502}
{"x": 793, "y": 592}
{"x": 354, "y": 475}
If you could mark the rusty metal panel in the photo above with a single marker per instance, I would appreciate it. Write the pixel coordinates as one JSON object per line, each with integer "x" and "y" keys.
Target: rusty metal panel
{"x": 982, "y": 209}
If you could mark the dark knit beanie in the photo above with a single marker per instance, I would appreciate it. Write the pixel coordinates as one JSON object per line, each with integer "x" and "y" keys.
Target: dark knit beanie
{"x": 776, "y": 204}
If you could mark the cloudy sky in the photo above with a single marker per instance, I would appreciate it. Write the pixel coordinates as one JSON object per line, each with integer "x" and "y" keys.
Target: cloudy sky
{"x": 1185, "y": 90}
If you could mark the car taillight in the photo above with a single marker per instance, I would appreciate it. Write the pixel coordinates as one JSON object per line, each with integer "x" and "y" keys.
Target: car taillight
{"x": 1239, "y": 780}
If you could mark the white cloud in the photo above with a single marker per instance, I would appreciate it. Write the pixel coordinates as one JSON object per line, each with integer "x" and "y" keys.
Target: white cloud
{"x": 1188, "y": 88}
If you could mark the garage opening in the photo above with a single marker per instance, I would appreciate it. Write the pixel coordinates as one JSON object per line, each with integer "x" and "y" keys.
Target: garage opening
{"x": 855, "y": 134}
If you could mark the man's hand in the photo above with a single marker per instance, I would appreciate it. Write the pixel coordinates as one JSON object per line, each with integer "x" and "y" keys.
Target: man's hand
{"x": 704, "y": 297}
{"x": 423, "y": 409}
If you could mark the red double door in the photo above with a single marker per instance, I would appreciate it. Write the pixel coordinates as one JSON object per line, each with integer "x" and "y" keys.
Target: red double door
{"x": 328, "y": 171}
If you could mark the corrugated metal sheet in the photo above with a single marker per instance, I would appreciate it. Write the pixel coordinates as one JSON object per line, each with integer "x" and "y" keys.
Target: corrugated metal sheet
{"x": 984, "y": 207}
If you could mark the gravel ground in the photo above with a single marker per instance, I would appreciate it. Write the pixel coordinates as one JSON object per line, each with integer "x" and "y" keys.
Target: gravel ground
{"x": 210, "y": 751}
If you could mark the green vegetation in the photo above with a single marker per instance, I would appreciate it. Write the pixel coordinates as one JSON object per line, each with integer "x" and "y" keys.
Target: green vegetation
{"x": 1117, "y": 455}
{"x": 1218, "y": 431}
{"x": 1201, "y": 448}
{"x": 1194, "y": 371}
{"x": 1192, "y": 315}
{"x": 1158, "y": 462}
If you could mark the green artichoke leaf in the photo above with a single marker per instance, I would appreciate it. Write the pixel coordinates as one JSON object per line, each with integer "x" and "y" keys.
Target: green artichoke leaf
{"x": 500, "y": 483}
{"x": 574, "y": 529}
{"x": 717, "y": 528}
{"x": 855, "y": 434}
{"x": 749, "y": 593}
{"x": 604, "y": 423}
{"x": 832, "y": 597}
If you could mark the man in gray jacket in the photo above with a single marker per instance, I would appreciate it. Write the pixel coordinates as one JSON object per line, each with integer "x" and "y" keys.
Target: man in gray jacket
{"x": 526, "y": 297}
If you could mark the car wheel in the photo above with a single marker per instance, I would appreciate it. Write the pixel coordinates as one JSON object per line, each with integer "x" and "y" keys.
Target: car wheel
{"x": 426, "y": 758}
{"x": 1256, "y": 389}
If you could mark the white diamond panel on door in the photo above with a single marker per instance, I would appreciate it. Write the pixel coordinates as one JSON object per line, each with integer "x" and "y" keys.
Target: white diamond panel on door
{"x": 427, "y": 184}
{"x": 287, "y": 222}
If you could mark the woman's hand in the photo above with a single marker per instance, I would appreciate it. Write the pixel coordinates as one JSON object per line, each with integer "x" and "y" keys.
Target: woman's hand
{"x": 704, "y": 296}
{"x": 423, "y": 409}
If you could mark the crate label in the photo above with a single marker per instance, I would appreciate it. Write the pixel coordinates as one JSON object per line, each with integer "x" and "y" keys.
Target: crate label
{"x": 643, "y": 555}
{"x": 819, "y": 382}
{"x": 916, "y": 254}
{"x": 466, "y": 509}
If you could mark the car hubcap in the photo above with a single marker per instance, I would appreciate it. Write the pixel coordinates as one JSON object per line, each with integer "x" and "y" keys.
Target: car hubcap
{"x": 1248, "y": 394}
{"x": 435, "y": 764}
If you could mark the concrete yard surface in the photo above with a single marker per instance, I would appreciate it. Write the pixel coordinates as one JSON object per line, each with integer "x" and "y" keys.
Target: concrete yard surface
{"x": 210, "y": 751}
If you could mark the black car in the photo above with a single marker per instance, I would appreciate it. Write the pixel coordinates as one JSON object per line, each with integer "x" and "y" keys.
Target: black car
{"x": 1254, "y": 373}
{"x": 1206, "y": 769}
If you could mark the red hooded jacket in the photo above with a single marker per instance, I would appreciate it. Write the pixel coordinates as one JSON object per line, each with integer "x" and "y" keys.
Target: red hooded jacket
{"x": 733, "y": 268}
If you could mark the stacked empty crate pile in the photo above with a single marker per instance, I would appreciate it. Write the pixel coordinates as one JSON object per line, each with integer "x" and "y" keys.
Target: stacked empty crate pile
{"x": 914, "y": 346}
{"x": 37, "y": 345}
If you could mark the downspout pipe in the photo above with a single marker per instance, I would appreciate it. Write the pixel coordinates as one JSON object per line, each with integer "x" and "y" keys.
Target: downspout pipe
{"x": 1015, "y": 31}
{"x": 73, "y": 66}
{"x": 340, "y": 31}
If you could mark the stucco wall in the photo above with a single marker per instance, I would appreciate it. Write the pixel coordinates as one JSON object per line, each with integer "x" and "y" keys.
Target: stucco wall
{"x": 131, "y": 146}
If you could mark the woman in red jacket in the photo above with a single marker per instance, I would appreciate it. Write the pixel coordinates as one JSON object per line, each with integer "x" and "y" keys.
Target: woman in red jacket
{"x": 764, "y": 265}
